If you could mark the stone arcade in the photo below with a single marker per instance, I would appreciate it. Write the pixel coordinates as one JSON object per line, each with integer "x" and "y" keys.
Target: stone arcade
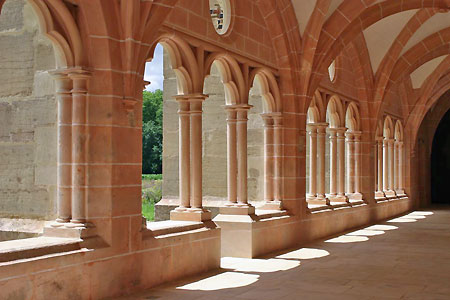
{"x": 285, "y": 122}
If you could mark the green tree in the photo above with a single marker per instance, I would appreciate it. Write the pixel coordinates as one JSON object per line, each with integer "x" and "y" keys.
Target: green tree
{"x": 152, "y": 113}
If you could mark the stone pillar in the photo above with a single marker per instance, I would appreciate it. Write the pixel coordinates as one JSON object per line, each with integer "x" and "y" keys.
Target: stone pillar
{"x": 278, "y": 132}
{"x": 268, "y": 157}
{"x": 79, "y": 151}
{"x": 231, "y": 155}
{"x": 333, "y": 161}
{"x": 379, "y": 193}
{"x": 184, "y": 153}
{"x": 350, "y": 140}
{"x": 396, "y": 168}
{"x": 321, "y": 133}
{"x": 312, "y": 132}
{"x": 241, "y": 129}
{"x": 401, "y": 188}
{"x": 391, "y": 164}
{"x": 190, "y": 135}
{"x": 341, "y": 162}
{"x": 357, "y": 157}
{"x": 64, "y": 140}
{"x": 386, "y": 166}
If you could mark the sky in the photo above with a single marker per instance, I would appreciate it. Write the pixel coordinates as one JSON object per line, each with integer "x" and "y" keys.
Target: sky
{"x": 154, "y": 70}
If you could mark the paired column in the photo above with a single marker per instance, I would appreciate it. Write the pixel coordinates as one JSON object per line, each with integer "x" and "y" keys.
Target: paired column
{"x": 333, "y": 161}
{"x": 321, "y": 133}
{"x": 391, "y": 165}
{"x": 350, "y": 162}
{"x": 64, "y": 140}
{"x": 79, "y": 139}
{"x": 268, "y": 158}
{"x": 396, "y": 168}
{"x": 341, "y": 161}
{"x": 379, "y": 148}
{"x": 231, "y": 155}
{"x": 312, "y": 134}
{"x": 386, "y": 165}
{"x": 190, "y": 159}
{"x": 357, "y": 156}
{"x": 241, "y": 130}
{"x": 278, "y": 132}
{"x": 401, "y": 190}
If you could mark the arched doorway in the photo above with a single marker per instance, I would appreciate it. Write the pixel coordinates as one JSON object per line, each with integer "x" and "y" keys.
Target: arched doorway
{"x": 440, "y": 162}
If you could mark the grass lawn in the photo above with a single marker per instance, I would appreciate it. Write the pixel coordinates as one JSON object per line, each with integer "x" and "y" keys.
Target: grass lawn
{"x": 148, "y": 210}
{"x": 151, "y": 194}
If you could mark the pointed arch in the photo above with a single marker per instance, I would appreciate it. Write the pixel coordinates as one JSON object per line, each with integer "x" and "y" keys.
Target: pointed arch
{"x": 388, "y": 128}
{"x": 352, "y": 117}
{"x": 269, "y": 88}
{"x": 335, "y": 112}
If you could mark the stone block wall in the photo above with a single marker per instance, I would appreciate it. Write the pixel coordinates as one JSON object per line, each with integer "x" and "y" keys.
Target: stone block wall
{"x": 214, "y": 141}
{"x": 28, "y": 115}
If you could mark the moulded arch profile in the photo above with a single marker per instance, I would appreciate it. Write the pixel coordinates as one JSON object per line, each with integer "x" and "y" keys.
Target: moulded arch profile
{"x": 352, "y": 119}
{"x": 268, "y": 85}
{"x": 379, "y": 130}
{"x": 231, "y": 76}
{"x": 388, "y": 128}
{"x": 335, "y": 112}
{"x": 317, "y": 106}
{"x": 398, "y": 131}
{"x": 185, "y": 84}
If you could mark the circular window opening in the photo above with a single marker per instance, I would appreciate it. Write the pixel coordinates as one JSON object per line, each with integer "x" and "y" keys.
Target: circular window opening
{"x": 220, "y": 11}
{"x": 332, "y": 71}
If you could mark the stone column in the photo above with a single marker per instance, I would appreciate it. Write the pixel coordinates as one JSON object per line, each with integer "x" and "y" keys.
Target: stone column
{"x": 400, "y": 169}
{"x": 278, "y": 132}
{"x": 379, "y": 193}
{"x": 391, "y": 164}
{"x": 333, "y": 161}
{"x": 184, "y": 153}
{"x": 357, "y": 156}
{"x": 350, "y": 140}
{"x": 321, "y": 133}
{"x": 396, "y": 168}
{"x": 341, "y": 161}
{"x": 268, "y": 157}
{"x": 64, "y": 140}
{"x": 196, "y": 103}
{"x": 312, "y": 132}
{"x": 190, "y": 161}
{"x": 231, "y": 155}
{"x": 386, "y": 165}
{"x": 241, "y": 129}
{"x": 79, "y": 139}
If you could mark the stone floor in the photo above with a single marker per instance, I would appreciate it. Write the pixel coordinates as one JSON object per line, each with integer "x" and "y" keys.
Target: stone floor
{"x": 404, "y": 258}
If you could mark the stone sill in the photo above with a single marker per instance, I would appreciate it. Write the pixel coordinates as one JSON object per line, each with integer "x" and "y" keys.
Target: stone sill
{"x": 387, "y": 200}
{"x": 35, "y": 247}
{"x": 315, "y": 208}
{"x": 160, "y": 228}
{"x": 262, "y": 214}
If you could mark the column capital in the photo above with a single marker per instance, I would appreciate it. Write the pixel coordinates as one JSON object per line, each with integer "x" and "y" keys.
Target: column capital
{"x": 389, "y": 141}
{"x": 190, "y": 97}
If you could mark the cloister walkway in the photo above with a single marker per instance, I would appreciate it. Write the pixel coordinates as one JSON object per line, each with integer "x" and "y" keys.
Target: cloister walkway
{"x": 403, "y": 258}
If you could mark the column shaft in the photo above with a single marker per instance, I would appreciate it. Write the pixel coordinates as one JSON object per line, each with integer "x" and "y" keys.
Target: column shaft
{"x": 380, "y": 164}
{"x": 358, "y": 163}
{"x": 268, "y": 158}
{"x": 333, "y": 162}
{"x": 391, "y": 164}
{"x": 277, "y": 157}
{"x": 312, "y": 161}
{"x": 79, "y": 136}
{"x": 196, "y": 153}
{"x": 242, "y": 154}
{"x": 321, "y": 161}
{"x": 341, "y": 162}
{"x": 232, "y": 155}
{"x": 400, "y": 168}
{"x": 386, "y": 165}
{"x": 64, "y": 154}
{"x": 350, "y": 163}
{"x": 396, "y": 168}
{"x": 184, "y": 154}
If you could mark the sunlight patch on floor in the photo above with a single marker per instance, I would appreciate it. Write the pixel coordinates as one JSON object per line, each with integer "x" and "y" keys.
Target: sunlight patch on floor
{"x": 402, "y": 220}
{"x": 304, "y": 253}
{"x": 422, "y": 213}
{"x": 348, "y": 239}
{"x": 364, "y": 232}
{"x": 258, "y": 265}
{"x": 221, "y": 281}
{"x": 382, "y": 227}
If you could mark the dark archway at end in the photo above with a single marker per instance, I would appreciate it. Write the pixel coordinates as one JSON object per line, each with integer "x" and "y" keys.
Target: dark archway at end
{"x": 440, "y": 162}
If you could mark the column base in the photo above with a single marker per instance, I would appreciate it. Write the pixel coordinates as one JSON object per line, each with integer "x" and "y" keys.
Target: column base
{"x": 318, "y": 201}
{"x": 192, "y": 215}
{"x": 379, "y": 195}
{"x": 338, "y": 198}
{"x": 272, "y": 205}
{"x": 354, "y": 196}
{"x": 400, "y": 193}
{"x": 69, "y": 230}
{"x": 237, "y": 209}
{"x": 390, "y": 194}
